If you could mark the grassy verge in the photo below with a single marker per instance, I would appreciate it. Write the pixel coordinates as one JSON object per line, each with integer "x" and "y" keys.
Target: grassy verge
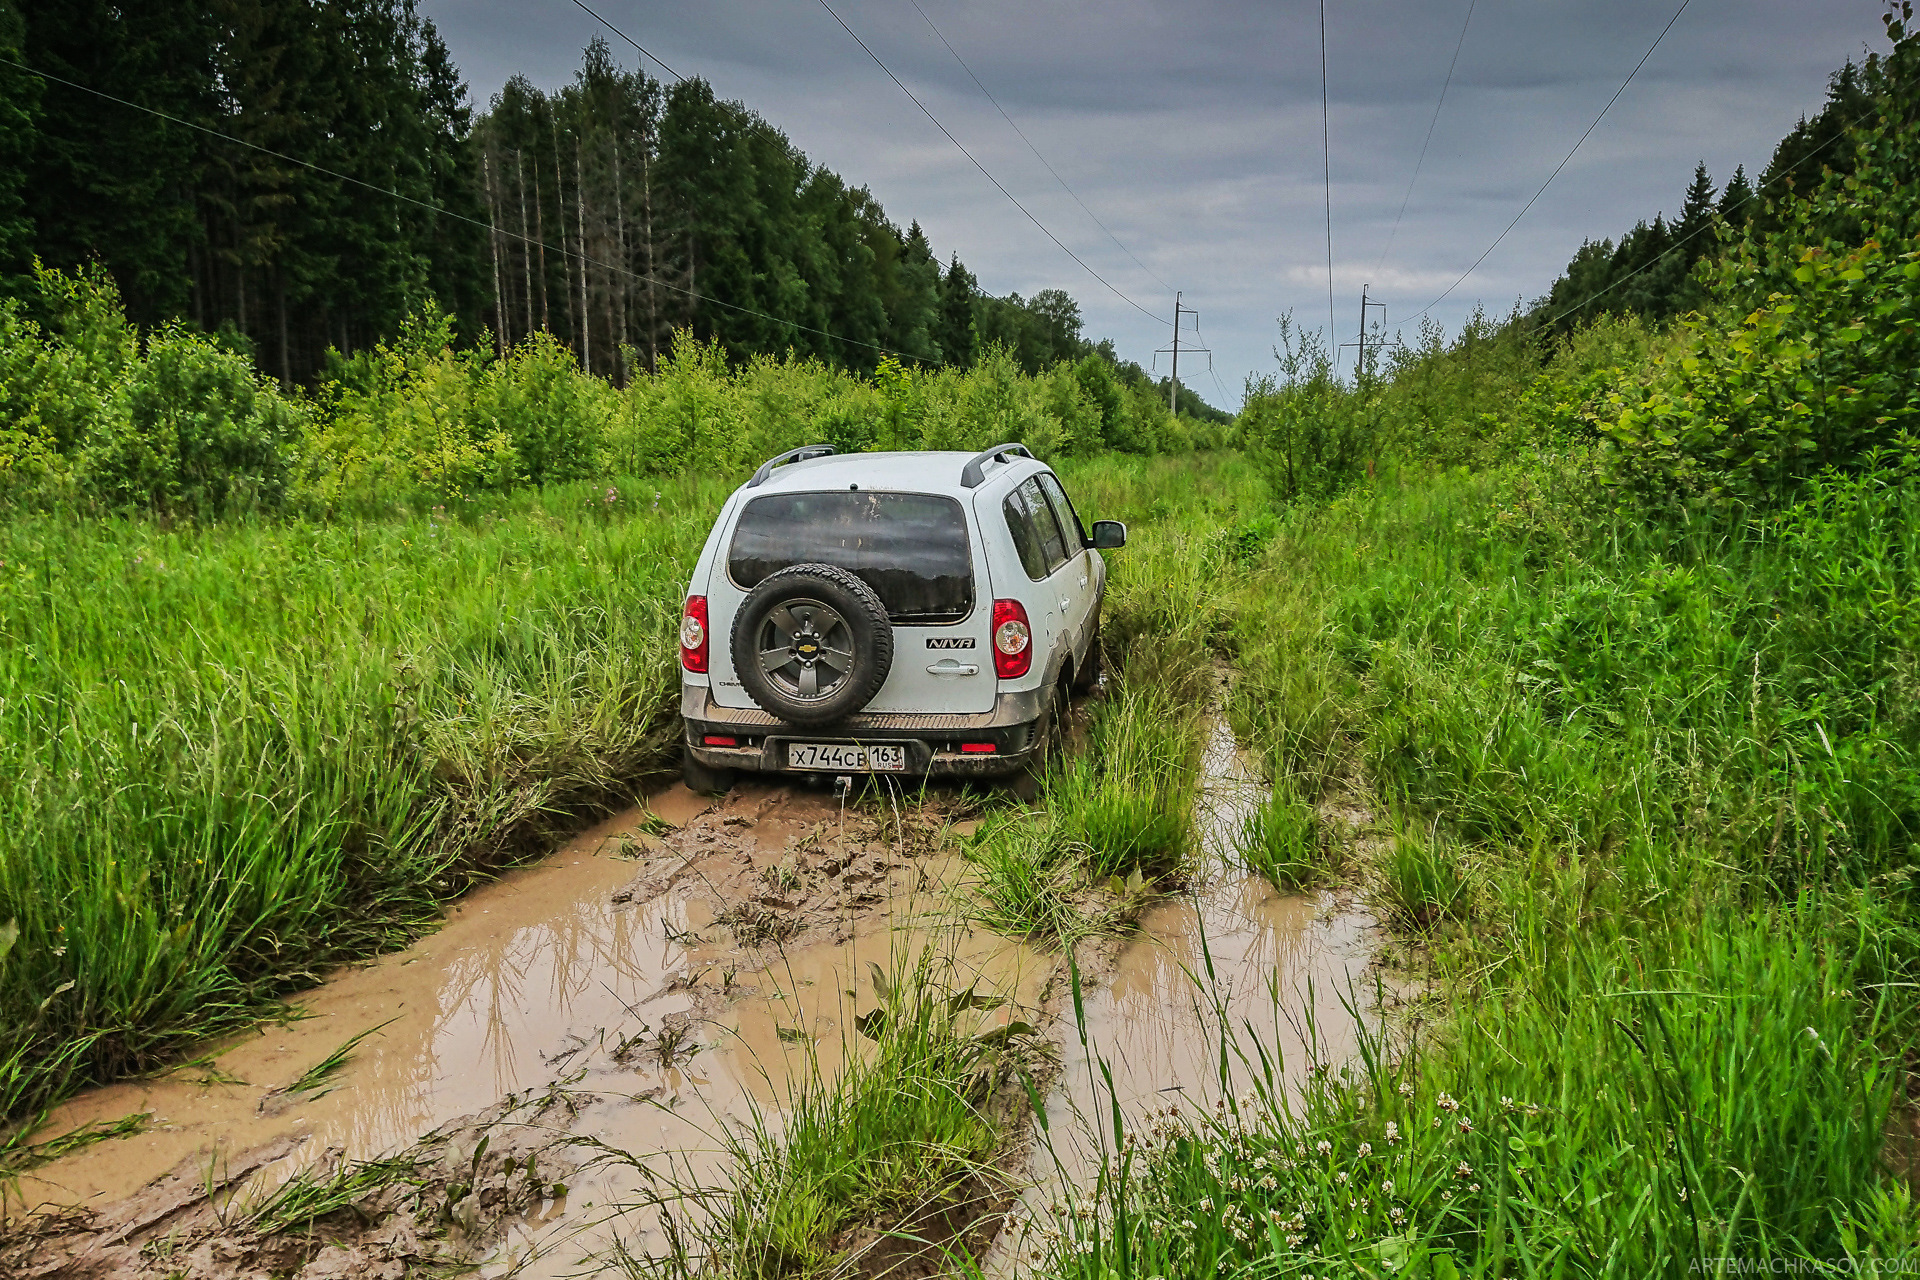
{"x": 1648, "y": 790}
{"x": 231, "y": 756}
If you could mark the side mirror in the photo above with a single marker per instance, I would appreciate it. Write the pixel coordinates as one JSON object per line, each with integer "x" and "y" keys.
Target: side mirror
{"x": 1108, "y": 534}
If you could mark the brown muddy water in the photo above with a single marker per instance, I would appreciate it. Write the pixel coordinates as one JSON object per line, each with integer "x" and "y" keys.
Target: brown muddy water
{"x": 677, "y": 970}
{"x": 663, "y": 984}
{"x": 1232, "y": 958}
{"x": 1233, "y": 953}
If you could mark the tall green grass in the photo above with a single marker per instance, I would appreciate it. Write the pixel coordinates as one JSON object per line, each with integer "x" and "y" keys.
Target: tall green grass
{"x": 1647, "y": 778}
{"x": 1667, "y": 1098}
{"x": 888, "y": 1156}
{"x": 231, "y": 756}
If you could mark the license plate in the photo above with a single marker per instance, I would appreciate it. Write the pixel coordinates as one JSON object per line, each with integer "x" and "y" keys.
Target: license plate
{"x": 844, "y": 757}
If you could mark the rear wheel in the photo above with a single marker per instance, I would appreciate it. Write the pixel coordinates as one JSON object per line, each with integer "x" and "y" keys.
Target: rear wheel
{"x": 1049, "y": 746}
{"x": 1088, "y": 676}
{"x": 703, "y": 778}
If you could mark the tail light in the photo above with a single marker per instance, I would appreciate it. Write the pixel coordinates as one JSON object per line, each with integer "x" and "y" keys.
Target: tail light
{"x": 693, "y": 634}
{"x": 1012, "y": 640}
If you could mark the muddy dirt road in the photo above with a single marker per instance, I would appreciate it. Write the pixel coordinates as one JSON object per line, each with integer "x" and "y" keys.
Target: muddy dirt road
{"x": 678, "y": 969}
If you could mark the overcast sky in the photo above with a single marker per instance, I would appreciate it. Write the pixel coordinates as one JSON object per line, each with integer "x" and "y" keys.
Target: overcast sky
{"x": 1193, "y": 131}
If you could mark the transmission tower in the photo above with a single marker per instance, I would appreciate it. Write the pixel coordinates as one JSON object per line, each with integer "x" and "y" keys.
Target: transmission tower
{"x": 1361, "y": 370}
{"x": 1173, "y": 383}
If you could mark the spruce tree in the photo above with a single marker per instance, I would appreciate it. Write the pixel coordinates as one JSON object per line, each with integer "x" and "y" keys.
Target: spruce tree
{"x": 959, "y": 340}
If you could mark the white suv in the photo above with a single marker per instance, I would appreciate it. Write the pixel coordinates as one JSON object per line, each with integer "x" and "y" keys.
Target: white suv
{"x": 918, "y": 613}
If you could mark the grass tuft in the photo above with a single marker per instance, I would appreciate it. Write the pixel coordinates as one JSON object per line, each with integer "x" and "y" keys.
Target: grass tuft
{"x": 1284, "y": 841}
{"x": 316, "y": 1077}
{"x": 896, "y": 1149}
{"x": 1422, "y": 881}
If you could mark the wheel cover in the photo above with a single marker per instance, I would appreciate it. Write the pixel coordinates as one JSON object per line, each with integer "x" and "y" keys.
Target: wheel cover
{"x": 805, "y": 649}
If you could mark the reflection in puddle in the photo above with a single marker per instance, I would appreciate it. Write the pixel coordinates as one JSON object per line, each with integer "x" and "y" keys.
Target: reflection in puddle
{"x": 1239, "y": 956}
{"x": 1287, "y": 971}
{"x": 478, "y": 1009}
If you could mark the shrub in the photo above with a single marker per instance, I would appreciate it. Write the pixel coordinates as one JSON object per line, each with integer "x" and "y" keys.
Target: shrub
{"x": 403, "y": 420}
{"x": 183, "y": 427}
{"x": 555, "y": 419}
{"x": 201, "y": 433}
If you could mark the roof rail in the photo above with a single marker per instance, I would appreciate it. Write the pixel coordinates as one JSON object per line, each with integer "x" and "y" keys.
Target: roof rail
{"x": 801, "y": 454}
{"x": 976, "y": 469}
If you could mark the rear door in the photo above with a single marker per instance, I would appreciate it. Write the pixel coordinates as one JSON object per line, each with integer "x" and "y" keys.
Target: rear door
{"x": 915, "y": 550}
{"x": 1049, "y": 562}
{"x": 1081, "y": 581}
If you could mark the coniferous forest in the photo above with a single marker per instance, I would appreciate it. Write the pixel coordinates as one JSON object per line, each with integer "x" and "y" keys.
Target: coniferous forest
{"x": 1650, "y": 272}
{"x": 320, "y": 173}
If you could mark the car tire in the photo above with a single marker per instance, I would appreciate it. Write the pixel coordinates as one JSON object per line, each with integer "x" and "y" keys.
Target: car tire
{"x": 704, "y": 779}
{"x": 793, "y": 628}
{"x": 1087, "y": 675}
{"x": 1049, "y": 746}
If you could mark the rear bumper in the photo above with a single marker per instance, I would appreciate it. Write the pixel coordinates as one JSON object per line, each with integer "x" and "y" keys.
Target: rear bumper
{"x": 932, "y": 741}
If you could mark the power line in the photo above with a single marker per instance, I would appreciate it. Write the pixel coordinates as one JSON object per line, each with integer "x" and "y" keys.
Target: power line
{"x": 1326, "y": 171}
{"x": 1111, "y": 287}
{"x": 490, "y": 228}
{"x": 1036, "y": 151}
{"x": 630, "y": 40}
{"x": 1226, "y": 396}
{"x": 1428, "y": 140}
{"x": 1563, "y": 163}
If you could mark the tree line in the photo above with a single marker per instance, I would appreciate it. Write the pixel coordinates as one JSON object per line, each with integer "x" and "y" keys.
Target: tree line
{"x": 316, "y": 173}
{"x": 1651, "y": 271}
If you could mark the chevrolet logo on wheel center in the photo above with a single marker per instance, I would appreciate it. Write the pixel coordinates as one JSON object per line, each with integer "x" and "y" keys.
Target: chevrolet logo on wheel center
{"x": 950, "y": 642}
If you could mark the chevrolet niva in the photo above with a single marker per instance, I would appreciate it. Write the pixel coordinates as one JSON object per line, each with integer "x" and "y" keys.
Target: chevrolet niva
{"x": 890, "y": 613}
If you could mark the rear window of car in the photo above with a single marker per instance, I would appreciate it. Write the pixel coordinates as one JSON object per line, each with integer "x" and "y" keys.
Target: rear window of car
{"x": 911, "y": 548}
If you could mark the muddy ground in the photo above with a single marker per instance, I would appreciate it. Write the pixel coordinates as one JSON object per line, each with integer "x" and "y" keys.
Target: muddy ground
{"x": 677, "y": 970}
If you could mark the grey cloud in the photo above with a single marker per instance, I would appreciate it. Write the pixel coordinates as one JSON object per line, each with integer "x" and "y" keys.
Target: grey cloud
{"x": 1193, "y": 131}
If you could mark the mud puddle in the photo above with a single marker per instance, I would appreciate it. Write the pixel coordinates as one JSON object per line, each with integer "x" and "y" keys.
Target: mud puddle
{"x": 1232, "y": 953}
{"x": 673, "y": 971}
{"x": 1232, "y": 956}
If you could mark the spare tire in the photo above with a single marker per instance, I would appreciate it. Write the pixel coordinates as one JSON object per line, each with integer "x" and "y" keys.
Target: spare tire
{"x": 812, "y": 644}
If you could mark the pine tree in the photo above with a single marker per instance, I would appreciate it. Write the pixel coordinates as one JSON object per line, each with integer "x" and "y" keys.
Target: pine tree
{"x": 916, "y": 314}
{"x": 1736, "y": 201}
{"x": 1697, "y": 209}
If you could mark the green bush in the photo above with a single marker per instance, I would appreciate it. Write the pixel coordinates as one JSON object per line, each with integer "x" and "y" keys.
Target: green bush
{"x": 1806, "y": 360}
{"x": 200, "y": 434}
{"x": 1305, "y": 432}
{"x": 179, "y": 425}
{"x": 555, "y": 419}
